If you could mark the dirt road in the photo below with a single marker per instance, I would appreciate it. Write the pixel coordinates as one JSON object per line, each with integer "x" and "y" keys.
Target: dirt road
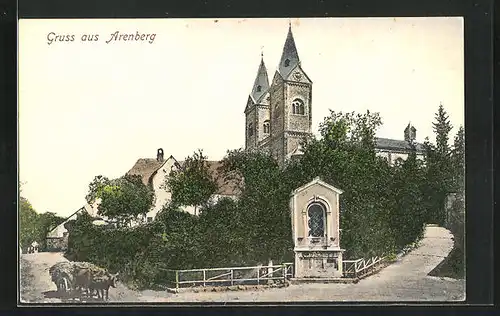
{"x": 37, "y": 286}
{"x": 405, "y": 280}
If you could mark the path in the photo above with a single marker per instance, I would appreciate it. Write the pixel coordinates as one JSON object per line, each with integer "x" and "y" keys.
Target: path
{"x": 405, "y": 280}
{"x": 37, "y": 286}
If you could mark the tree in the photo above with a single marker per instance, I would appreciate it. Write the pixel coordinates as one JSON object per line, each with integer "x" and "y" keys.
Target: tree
{"x": 123, "y": 199}
{"x": 224, "y": 233}
{"x": 46, "y": 222}
{"x": 442, "y": 127}
{"x": 29, "y": 230}
{"x": 458, "y": 160}
{"x": 439, "y": 168}
{"x": 96, "y": 188}
{"x": 34, "y": 226}
{"x": 262, "y": 205}
{"x": 193, "y": 184}
{"x": 408, "y": 211}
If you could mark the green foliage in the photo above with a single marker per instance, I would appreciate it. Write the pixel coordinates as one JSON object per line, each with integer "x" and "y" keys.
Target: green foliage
{"x": 124, "y": 199}
{"x": 96, "y": 188}
{"x": 383, "y": 209}
{"x": 224, "y": 234}
{"x": 34, "y": 226}
{"x": 439, "y": 169}
{"x": 193, "y": 183}
{"x": 458, "y": 161}
{"x": 408, "y": 213}
{"x": 263, "y": 206}
{"x": 28, "y": 223}
{"x": 442, "y": 128}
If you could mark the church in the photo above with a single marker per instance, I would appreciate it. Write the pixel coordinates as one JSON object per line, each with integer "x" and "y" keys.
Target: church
{"x": 278, "y": 115}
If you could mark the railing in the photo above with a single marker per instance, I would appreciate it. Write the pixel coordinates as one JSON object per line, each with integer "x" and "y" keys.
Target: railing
{"x": 228, "y": 276}
{"x": 357, "y": 268}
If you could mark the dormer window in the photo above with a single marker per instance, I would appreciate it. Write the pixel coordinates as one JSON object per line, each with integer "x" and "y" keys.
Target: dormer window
{"x": 259, "y": 88}
{"x": 267, "y": 127}
{"x": 298, "y": 107}
{"x": 287, "y": 62}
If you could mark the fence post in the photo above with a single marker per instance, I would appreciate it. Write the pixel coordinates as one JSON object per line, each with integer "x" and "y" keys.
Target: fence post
{"x": 232, "y": 277}
{"x": 204, "y": 277}
{"x": 284, "y": 272}
{"x": 258, "y": 275}
{"x": 177, "y": 279}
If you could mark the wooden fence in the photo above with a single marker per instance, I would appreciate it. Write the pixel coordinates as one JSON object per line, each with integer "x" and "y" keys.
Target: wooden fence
{"x": 255, "y": 275}
{"x": 228, "y": 276}
{"x": 357, "y": 268}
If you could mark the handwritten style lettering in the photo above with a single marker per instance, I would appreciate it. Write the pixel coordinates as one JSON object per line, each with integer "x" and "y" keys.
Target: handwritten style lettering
{"x": 117, "y": 37}
{"x": 53, "y": 37}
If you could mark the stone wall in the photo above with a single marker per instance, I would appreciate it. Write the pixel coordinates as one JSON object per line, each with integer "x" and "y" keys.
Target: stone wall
{"x": 297, "y": 122}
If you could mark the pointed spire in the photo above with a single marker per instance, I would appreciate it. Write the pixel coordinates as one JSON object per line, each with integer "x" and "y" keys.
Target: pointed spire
{"x": 261, "y": 84}
{"x": 290, "y": 56}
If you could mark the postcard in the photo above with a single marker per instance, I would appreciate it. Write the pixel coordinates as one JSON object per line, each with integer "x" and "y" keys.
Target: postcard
{"x": 241, "y": 160}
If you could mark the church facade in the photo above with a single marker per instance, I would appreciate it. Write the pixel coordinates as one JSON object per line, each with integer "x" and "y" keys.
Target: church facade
{"x": 278, "y": 114}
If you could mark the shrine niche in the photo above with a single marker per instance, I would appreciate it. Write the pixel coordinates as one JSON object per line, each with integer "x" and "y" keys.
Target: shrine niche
{"x": 315, "y": 229}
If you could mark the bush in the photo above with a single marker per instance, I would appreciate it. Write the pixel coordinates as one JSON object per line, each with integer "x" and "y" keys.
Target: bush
{"x": 382, "y": 210}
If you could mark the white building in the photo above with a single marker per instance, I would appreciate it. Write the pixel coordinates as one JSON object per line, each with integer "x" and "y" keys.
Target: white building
{"x": 154, "y": 173}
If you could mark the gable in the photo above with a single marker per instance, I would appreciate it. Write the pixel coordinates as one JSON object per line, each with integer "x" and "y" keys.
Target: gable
{"x": 318, "y": 182}
{"x": 264, "y": 99}
{"x": 250, "y": 103}
{"x": 297, "y": 74}
{"x": 277, "y": 79}
{"x": 162, "y": 173}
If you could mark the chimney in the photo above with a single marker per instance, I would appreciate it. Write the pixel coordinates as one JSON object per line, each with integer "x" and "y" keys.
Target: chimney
{"x": 159, "y": 155}
{"x": 410, "y": 133}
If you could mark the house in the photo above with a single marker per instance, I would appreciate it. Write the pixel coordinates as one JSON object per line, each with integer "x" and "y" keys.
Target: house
{"x": 278, "y": 115}
{"x": 155, "y": 172}
{"x": 57, "y": 237}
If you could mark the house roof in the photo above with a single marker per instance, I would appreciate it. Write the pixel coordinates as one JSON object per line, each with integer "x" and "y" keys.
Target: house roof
{"x": 146, "y": 168}
{"x": 229, "y": 187}
{"x": 396, "y": 144}
{"x": 225, "y": 187}
{"x": 69, "y": 217}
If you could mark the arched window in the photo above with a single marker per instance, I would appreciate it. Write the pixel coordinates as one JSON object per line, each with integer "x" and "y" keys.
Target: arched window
{"x": 267, "y": 129}
{"x": 250, "y": 129}
{"x": 317, "y": 218}
{"x": 287, "y": 62}
{"x": 298, "y": 107}
{"x": 259, "y": 88}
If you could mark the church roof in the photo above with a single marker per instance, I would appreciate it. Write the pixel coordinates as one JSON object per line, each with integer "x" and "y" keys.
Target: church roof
{"x": 396, "y": 145}
{"x": 261, "y": 84}
{"x": 289, "y": 57}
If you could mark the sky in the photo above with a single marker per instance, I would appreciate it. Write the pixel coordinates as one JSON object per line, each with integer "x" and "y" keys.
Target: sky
{"x": 94, "y": 108}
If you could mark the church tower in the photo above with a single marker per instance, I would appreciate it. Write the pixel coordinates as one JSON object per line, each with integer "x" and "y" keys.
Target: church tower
{"x": 290, "y": 104}
{"x": 257, "y": 127}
